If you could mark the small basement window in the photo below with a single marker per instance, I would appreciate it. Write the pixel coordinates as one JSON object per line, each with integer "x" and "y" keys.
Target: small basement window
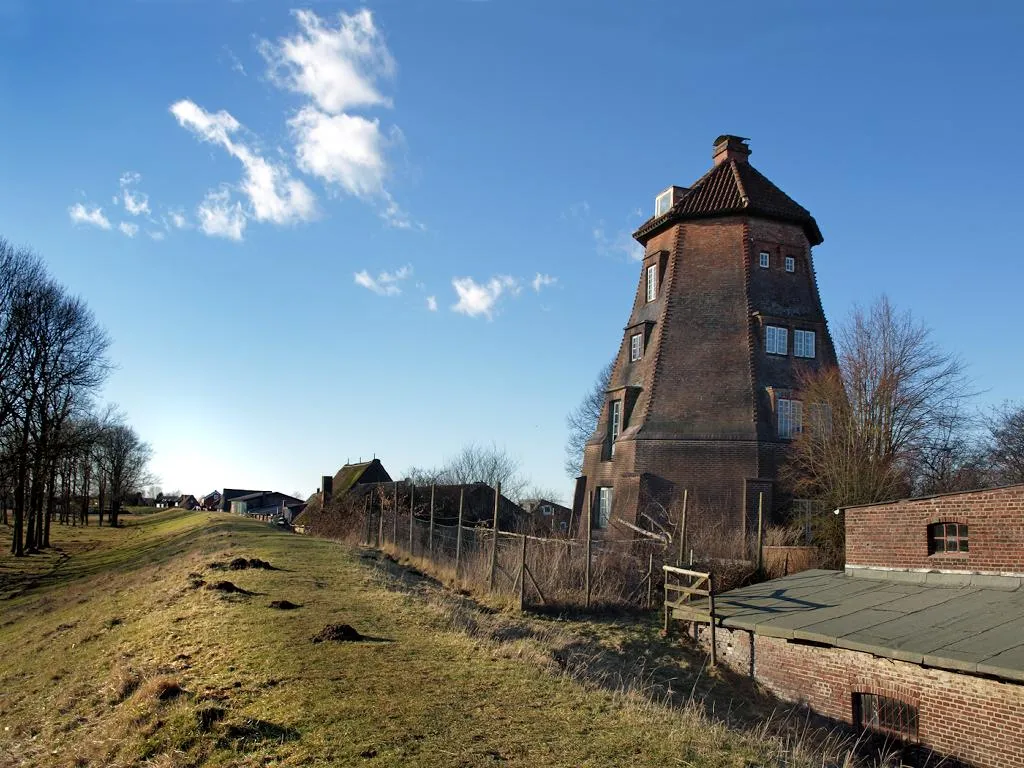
{"x": 790, "y": 264}
{"x": 882, "y": 714}
{"x": 947, "y": 538}
{"x": 765, "y": 260}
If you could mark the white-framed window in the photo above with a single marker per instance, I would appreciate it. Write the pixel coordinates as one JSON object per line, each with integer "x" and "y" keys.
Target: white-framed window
{"x": 546, "y": 510}
{"x": 636, "y": 347}
{"x": 803, "y": 343}
{"x": 604, "y": 507}
{"x": 616, "y": 423}
{"x": 776, "y": 340}
{"x": 790, "y": 264}
{"x": 663, "y": 202}
{"x": 652, "y": 282}
{"x": 765, "y": 259}
{"x": 821, "y": 418}
{"x": 791, "y": 417}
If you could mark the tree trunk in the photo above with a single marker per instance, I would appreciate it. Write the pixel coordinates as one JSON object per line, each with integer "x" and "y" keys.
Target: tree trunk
{"x": 102, "y": 497}
{"x": 48, "y": 516}
{"x": 85, "y": 495}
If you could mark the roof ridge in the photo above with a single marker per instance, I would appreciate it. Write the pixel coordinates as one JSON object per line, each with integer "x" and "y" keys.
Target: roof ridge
{"x": 739, "y": 183}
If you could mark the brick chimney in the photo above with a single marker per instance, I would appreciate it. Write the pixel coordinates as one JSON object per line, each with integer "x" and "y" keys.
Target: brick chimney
{"x": 730, "y": 148}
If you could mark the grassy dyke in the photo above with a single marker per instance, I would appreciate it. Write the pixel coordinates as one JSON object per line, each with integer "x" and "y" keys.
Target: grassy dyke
{"x": 116, "y": 653}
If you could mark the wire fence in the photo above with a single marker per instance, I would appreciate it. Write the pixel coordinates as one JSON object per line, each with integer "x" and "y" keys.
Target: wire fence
{"x": 534, "y": 571}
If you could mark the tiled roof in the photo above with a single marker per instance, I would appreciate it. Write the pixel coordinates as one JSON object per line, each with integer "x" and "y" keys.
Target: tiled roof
{"x": 734, "y": 187}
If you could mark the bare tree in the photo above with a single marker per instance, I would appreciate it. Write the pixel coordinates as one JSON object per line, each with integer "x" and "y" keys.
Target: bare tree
{"x": 476, "y": 463}
{"x": 582, "y": 421}
{"x": 124, "y": 460}
{"x": 896, "y": 398}
{"x": 1005, "y": 451}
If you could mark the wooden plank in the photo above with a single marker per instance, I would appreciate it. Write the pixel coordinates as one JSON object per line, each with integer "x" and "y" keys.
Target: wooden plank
{"x": 494, "y": 539}
{"x": 684, "y": 571}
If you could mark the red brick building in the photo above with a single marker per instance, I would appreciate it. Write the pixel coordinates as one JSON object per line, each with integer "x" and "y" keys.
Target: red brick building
{"x": 921, "y": 638}
{"x": 726, "y": 317}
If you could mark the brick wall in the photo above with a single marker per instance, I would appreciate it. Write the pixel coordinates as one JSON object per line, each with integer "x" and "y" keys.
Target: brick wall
{"x": 976, "y": 720}
{"x": 895, "y": 535}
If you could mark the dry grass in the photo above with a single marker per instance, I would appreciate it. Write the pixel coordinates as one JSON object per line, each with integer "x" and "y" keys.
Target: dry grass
{"x": 115, "y": 659}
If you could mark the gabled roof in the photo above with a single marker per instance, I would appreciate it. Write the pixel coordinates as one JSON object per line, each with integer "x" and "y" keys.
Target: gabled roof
{"x": 734, "y": 187}
{"x": 351, "y": 474}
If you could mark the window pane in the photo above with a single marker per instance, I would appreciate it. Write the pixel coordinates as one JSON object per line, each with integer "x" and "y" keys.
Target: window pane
{"x": 940, "y": 545}
{"x": 962, "y": 531}
{"x": 963, "y": 545}
{"x": 951, "y": 529}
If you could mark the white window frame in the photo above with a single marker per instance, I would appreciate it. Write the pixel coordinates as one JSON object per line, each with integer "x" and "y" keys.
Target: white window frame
{"x": 615, "y": 427}
{"x": 652, "y": 282}
{"x": 605, "y": 499}
{"x": 765, "y": 259}
{"x": 804, "y": 343}
{"x": 659, "y": 208}
{"x": 636, "y": 347}
{"x": 790, "y": 264}
{"x": 790, "y": 415}
{"x": 776, "y": 340}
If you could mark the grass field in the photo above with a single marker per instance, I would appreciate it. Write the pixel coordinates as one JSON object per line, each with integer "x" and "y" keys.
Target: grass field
{"x": 115, "y": 653}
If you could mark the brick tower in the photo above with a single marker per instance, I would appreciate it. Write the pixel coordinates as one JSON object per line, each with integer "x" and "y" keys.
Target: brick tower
{"x": 726, "y": 317}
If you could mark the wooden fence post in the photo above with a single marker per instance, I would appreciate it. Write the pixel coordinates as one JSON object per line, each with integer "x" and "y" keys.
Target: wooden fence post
{"x": 494, "y": 539}
{"x": 366, "y": 518}
{"x": 760, "y": 529}
{"x": 590, "y": 533}
{"x": 522, "y": 577}
{"x": 380, "y": 523}
{"x": 394, "y": 530}
{"x": 650, "y": 577}
{"x": 412, "y": 513}
{"x": 458, "y": 534}
{"x": 682, "y": 529}
{"x": 430, "y": 538}
{"x": 711, "y": 603}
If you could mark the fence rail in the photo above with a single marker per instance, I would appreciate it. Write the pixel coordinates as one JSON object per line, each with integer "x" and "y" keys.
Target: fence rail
{"x": 690, "y": 596}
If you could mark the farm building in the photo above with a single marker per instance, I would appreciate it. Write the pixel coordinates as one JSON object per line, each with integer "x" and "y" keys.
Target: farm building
{"x": 921, "y": 638}
{"x": 726, "y": 318}
{"x": 546, "y": 517}
{"x": 231, "y": 494}
{"x": 263, "y": 503}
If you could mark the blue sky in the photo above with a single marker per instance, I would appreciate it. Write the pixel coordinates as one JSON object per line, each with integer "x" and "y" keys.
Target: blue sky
{"x": 324, "y": 231}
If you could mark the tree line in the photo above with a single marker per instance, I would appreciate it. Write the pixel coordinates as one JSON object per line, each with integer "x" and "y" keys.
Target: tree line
{"x": 58, "y": 445}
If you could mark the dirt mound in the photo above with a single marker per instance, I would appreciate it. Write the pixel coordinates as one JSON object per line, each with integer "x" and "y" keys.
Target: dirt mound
{"x": 228, "y": 588}
{"x": 339, "y": 633}
{"x": 240, "y": 564}
{"x": 284, "y": 605}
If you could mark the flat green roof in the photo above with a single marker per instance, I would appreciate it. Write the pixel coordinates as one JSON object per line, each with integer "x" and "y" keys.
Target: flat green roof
{"x": 964, "y": 629}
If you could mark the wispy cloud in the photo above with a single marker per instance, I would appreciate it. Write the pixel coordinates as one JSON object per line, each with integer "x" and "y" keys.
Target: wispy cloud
{"x": 273, "y": 195}
{"x": 432, "y": 303}
{"x": 386, "y": 283}
{"x": 128, "y": 229}
{"x": 481, "y": 299}
{"x": 81, "y": 214}
{"x": 135, "y": 202}
{"x": 542, "y": 281}
{"x": 176, "y": 218}
{"x": 615, "y": 242}
{"x": 338, "y": 67}
{"x": 220, "y": 217}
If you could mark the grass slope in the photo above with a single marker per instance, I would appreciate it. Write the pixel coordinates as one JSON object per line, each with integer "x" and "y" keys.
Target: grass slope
{"x": 114, "y": 654}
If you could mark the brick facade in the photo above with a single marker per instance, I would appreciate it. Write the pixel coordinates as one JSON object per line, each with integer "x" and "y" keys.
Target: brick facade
{"x": 894, "y": 535}
{"x": 699, "y": 408}
{"x": 975, "y": 720}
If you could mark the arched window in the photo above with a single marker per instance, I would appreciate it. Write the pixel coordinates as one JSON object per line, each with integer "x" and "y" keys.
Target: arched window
{"x": 947, "y": 538}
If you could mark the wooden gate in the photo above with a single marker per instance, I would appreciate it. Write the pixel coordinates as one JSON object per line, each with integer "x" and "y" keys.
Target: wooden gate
{"x": 690, "y": 596}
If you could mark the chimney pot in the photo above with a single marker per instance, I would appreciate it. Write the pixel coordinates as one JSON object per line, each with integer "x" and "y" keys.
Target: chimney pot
{"x": 729, "y": 147}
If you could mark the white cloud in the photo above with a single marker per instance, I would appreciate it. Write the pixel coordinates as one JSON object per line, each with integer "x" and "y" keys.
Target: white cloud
{"x": 129, "y": 229}
{"x": 156, "y": 234}
{"x": 340, "y": 149}
{"x": 219, "y": 217}
{"x": 432, "y": 303}
{"x": 620, "y": 243}
{"x": 81, "y": 215}
{"x": 336, "y": 67}
{"x": 477, "y": 299}
{"x": 135, "y": 203}
{"x": 543, "y": 281}
{"x": 177, "y": 219}
{"x": 273, "y": 195}
{"x": 386, "y": 283}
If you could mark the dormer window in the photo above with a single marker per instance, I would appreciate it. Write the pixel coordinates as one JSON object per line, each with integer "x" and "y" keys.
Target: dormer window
{"x": 663, "y": 202}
